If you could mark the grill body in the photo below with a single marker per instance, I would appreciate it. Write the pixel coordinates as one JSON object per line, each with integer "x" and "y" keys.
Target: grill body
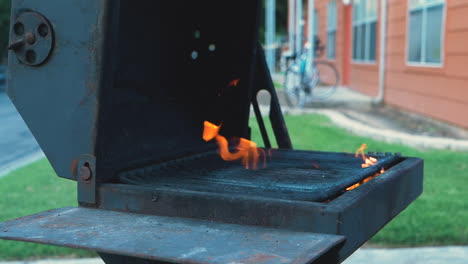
{"x": 357, "y": 214}
{"x": 117, "y": 103}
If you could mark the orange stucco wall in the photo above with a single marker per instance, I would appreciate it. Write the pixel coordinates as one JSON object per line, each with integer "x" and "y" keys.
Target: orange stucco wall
{"x": 365, "y": 76}
{"x": 322, "y": 10}
{"x": 362, "y": 77}
{"x": 438, "y": 92}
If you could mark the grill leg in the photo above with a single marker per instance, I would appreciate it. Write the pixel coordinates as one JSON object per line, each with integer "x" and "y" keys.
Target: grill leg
{"x": 117, "y": 259}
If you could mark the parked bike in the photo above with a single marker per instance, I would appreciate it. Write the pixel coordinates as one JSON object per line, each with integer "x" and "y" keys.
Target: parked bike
{"x": 301, "y": 86}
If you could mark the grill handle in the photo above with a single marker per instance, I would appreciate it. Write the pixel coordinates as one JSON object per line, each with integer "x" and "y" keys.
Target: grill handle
{"x": 263, "y": 80}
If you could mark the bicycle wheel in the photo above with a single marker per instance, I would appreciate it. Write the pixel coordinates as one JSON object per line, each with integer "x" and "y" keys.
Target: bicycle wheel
{"x": 294, "y": 87}
{"x": 328, "y": 79}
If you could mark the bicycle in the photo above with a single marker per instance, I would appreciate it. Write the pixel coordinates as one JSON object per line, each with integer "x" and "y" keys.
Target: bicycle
{"x": 301, "y": 88}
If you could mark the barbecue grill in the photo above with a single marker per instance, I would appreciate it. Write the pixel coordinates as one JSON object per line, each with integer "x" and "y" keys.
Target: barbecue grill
{"x": 117, "y": 93}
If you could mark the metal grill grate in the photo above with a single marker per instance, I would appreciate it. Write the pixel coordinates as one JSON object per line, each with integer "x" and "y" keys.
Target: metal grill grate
{"x": 293, "y": 175}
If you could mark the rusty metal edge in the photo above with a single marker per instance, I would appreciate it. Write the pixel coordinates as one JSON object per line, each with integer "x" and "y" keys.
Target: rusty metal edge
{"x": 399, "y": 188}
{"x": 327, "y": 218}
{"x": 323, "y": 248}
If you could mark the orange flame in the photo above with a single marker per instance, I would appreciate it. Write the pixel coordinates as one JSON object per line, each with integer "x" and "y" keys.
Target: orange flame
{"x": 368, "y": 161}
{"x": 233, "y": 83}
{"x": 354, "y": 186}
{"x": 247, "y": 151}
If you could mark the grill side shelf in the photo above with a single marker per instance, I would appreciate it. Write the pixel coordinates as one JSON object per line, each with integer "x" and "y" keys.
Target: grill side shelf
{"x": 170, "y": 239}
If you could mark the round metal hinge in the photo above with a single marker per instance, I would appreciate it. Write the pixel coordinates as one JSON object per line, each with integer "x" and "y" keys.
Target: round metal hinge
{"x": 32, "y": 38}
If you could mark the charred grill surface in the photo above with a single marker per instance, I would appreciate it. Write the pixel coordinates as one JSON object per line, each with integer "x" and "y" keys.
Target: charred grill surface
{"x": 284, "y": 174}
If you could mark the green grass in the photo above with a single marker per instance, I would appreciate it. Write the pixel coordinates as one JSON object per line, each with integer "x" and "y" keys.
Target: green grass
{"x": 438, "y": 217}
{"x": 29, "y": 190}
{"x": 278, "y": 86}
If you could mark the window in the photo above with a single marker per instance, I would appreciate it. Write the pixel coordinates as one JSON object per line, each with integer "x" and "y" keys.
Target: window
{"x": 364, "y": 30}
{"x": 316, "y": 30}
{"x": 425, "y": 31}
{"x": 331, "y": 29}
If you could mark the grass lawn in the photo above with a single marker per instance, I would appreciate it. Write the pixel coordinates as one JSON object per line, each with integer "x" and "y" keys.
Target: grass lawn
{"x": 29, "y": 190}
{"x": 278, "y": 86}
{"x": 438, "y": 217}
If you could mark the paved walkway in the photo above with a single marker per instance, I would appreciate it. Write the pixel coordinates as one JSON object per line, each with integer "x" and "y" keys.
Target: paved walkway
{"x": 17, "y": 145}
{"x": 343, "y": 96}
{"x": 384, "y": 134}
{"x": 426, "y": 255}
{"x": 58, "y": 261}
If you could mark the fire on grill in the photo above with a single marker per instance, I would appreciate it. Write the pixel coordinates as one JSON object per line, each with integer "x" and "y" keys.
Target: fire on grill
{"x": 129, "y": 99}
{"x": 247, "y": 151}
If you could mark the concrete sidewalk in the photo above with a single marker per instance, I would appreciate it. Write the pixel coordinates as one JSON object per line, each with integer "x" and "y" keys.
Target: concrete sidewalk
{"x": 342, "y": 97}
{"x": 425, "y": 255}
{"x": 389, "y": 135}
{"x": 18, "y": 147}
{"x": 58, "y": 261}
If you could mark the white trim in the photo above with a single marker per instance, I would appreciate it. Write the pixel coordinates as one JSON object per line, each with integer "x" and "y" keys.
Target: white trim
{"x": 424, "y": 64}
{"x": 424, "y": 8}
{"x": 291, "y": 25}
{"x": 312, "y": 18}
{"x": 299, "y": 26}
{"x": 425, "y": 4}
{"x": 364, "y": 62}
{"x": 382, "y": 51}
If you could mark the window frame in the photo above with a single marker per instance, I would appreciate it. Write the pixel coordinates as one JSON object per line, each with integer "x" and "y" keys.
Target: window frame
{"x": 316, "y": 23}
{"x": 366, "y": 21}
{"x": 332, "y": 29}
{"x": 424, "y": 7}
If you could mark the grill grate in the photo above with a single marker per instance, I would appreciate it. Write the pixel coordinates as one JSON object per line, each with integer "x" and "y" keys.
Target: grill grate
{"x": 292, "y": 175}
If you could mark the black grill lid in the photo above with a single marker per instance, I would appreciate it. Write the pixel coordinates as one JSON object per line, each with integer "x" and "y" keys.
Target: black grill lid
{"x": 127, "y": 83}
{"x": 172, "y": 65}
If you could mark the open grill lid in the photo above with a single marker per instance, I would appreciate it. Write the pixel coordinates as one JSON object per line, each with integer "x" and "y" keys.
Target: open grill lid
{"x": 134, "y": 82}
